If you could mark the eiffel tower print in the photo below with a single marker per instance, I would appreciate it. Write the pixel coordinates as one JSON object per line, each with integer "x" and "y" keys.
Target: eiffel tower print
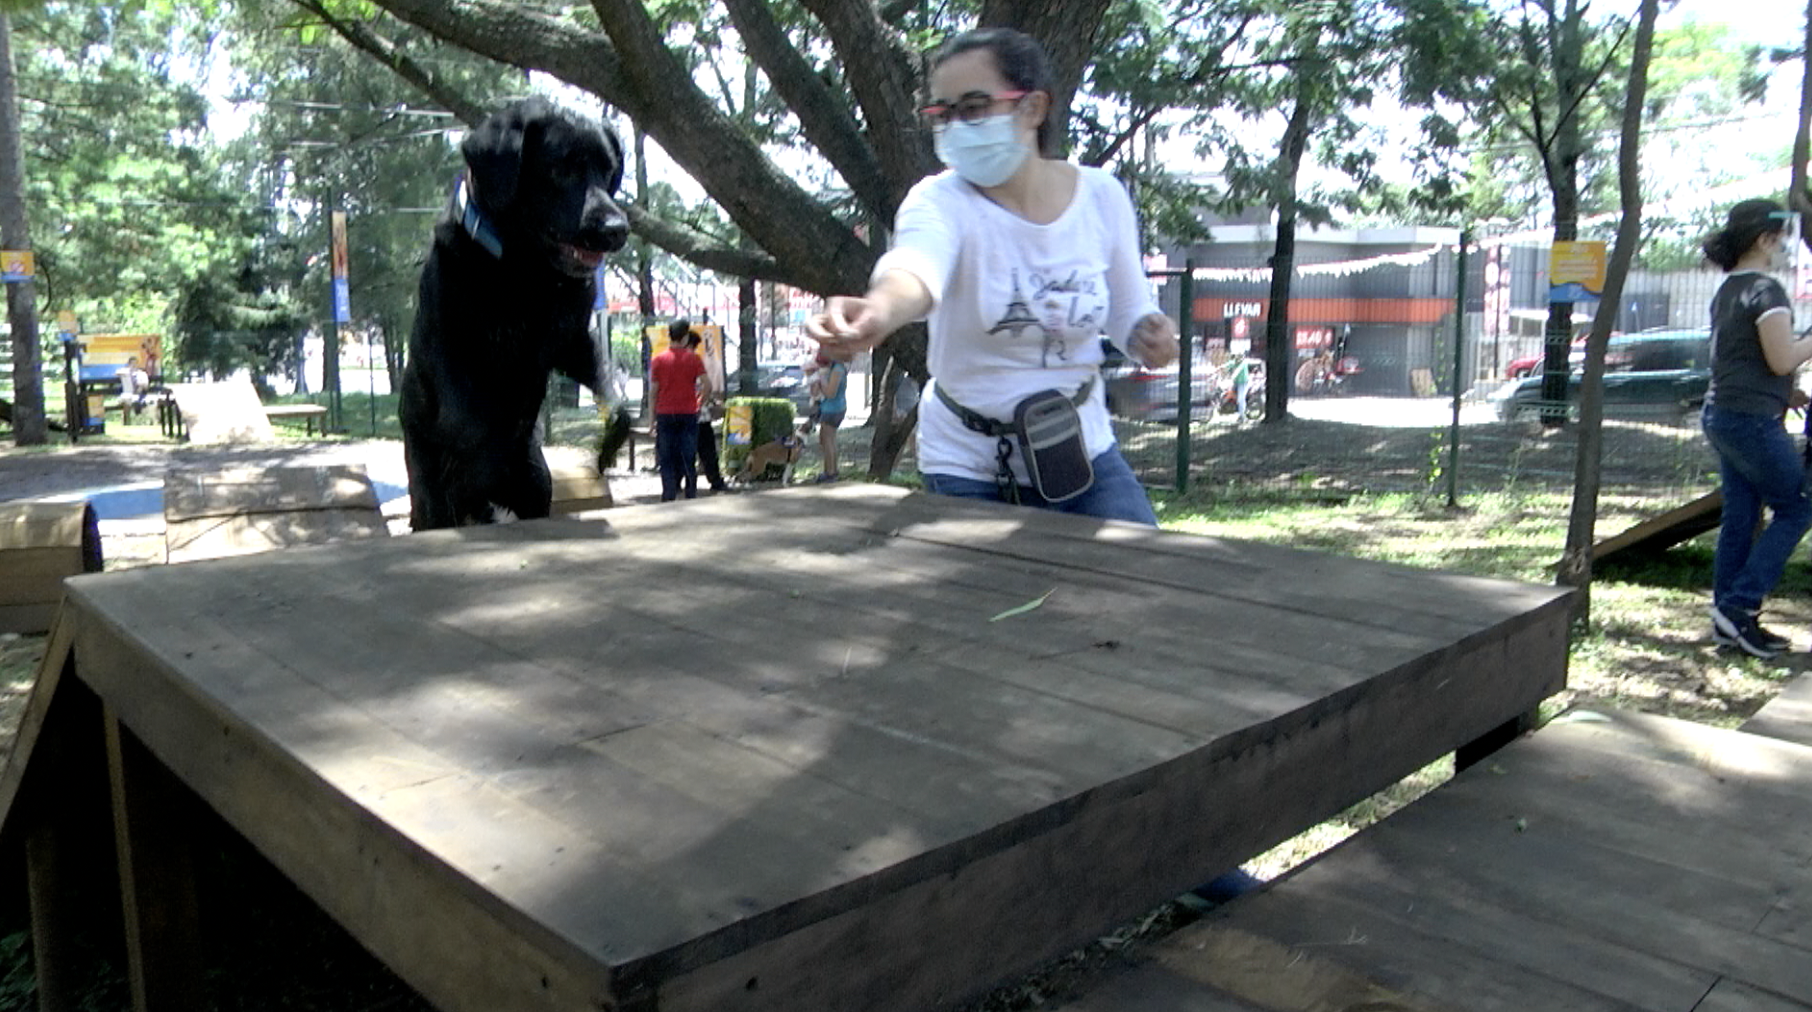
{"x": 1019, "y": 314}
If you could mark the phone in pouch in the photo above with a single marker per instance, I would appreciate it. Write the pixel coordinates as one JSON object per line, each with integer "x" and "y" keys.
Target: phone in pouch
{"x": 1050, "y": 438}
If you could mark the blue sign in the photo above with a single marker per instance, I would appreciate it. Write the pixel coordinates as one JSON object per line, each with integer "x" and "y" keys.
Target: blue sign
{"x": 342, "y": 301}
{"x": 1572, "y": 291}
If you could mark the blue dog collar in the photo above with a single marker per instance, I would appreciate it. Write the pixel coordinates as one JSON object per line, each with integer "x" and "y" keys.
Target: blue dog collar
{"x": 475, "y": 225}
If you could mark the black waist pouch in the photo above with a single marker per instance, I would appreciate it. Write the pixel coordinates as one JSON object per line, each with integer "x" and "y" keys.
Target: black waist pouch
{"x": 1049, "y": 431}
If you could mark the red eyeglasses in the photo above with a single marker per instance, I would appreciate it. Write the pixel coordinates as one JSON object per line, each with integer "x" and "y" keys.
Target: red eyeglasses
{"x": 971, "y": 108}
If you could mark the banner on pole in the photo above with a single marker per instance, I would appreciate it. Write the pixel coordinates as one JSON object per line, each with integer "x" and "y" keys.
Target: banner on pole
{"x": 1576, "y": 272}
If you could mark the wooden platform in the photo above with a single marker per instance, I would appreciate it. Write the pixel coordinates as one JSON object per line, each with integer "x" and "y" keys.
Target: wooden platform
{"x": 1610, "y": 862}
{"x": 838, "y": 748}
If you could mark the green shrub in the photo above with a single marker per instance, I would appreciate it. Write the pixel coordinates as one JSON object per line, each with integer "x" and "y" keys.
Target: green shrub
{"x": 772, "y": 418}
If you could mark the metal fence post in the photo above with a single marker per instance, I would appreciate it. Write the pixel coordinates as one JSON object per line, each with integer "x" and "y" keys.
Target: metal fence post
{"x": 1459, "y": 351}
{"x": 1185, "y": 385}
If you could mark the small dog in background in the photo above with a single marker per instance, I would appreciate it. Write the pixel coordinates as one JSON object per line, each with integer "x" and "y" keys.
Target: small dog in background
{"x": 781, "y": 450}
{"x": 506, "y": 298}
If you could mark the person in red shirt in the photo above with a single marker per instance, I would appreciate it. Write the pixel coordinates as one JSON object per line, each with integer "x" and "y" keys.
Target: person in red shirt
{"x": 679, "y": 377}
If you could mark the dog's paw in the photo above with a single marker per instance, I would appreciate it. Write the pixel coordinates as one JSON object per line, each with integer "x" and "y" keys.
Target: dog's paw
{"x": 502, "y": 515}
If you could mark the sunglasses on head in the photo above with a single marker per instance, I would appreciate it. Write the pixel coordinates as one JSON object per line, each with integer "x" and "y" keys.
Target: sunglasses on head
{"x": 970, "y": 108}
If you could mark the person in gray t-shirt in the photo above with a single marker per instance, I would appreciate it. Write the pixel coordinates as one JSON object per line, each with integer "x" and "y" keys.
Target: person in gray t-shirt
{"x": 1754, "y": 352}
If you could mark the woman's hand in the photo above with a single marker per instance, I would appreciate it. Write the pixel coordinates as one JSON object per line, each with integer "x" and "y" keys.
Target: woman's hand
{"x": 1153, "y": 342}
{"x": 849, "y": 323}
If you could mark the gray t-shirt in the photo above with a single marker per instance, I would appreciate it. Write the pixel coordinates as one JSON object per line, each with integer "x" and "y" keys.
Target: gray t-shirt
{"x": 1740, "y": 378}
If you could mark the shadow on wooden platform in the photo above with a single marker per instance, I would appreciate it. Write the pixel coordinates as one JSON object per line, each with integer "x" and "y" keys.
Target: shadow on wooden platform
{"x": 842, "y": 747}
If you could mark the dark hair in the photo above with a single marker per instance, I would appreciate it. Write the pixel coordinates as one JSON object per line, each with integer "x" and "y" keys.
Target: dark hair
{"x": 678, "y": 329}
{"x": 1019, "y": 58}
{"x": 1749, "y": 220}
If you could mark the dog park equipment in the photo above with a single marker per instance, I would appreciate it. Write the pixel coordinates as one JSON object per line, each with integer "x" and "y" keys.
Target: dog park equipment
{"x": 40, "y": 544}
{"x": 238, "y": 511}
{"x": 224, "y": 412}
{"x": 527, "y": 770}
{"x": 1608, "y": 861}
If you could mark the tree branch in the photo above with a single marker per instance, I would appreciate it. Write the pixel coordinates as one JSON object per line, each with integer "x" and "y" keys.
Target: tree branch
{"x": 387, "y": 53}
{"x": 696, "y": 247}
{"x": 823, "y": 117}
{"x": 883, "y": 75}
{"x": 632, "y": 69}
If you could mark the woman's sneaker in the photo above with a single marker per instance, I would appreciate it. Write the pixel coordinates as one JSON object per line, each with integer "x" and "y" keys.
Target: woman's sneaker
{"x": 1740, "y": 629}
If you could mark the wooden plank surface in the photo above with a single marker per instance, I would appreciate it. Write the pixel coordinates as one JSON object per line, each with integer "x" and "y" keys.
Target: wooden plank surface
{"x": 1614, "y": 861}
{"x": 786, "y": 739}
{"x": 1658, "y": 533}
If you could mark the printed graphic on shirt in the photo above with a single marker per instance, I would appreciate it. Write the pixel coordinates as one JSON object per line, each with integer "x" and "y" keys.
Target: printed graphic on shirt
{"x": 1061, "y": 308}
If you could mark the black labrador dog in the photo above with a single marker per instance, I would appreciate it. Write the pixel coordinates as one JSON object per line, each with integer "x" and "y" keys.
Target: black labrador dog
{"x": 506, "y": 298}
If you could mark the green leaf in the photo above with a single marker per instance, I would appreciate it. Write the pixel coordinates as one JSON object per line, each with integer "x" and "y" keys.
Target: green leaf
{"x": 1028, "y": 606}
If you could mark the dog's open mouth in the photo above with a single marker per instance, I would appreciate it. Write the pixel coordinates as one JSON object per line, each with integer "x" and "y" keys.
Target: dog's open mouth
{"x": 582, "y": 256}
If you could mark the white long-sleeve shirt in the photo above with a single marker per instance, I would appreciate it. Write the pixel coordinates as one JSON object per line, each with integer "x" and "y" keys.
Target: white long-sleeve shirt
{"x": 1017, "y": 307}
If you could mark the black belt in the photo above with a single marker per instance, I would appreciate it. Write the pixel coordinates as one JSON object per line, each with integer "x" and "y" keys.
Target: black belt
{"x": 975, "y": 421}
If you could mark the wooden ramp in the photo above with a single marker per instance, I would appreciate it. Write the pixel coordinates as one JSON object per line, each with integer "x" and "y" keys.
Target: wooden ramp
{"x": 224, "y": 412}
{"x": 838, "y": 748}
{"x": 236, "y": 511}
{"x": 1660, "y": 533}
{"x": 1610, "y": 862}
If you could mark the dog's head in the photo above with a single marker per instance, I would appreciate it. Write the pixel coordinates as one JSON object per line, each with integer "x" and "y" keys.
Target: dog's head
{"x": 544, "y": 178}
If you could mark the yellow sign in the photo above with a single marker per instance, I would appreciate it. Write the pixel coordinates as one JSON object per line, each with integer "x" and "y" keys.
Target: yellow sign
{"x": 1576, "y": 271}
{"x": 17, "y": 265}
{"x": 739, "y": 424}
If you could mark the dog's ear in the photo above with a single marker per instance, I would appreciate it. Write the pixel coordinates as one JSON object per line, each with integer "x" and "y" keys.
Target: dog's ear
{"x": 493, "y": 153}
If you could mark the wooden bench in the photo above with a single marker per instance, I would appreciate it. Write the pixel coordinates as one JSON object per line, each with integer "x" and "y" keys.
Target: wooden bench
{"x": 307, "y": 413}
{"x": 845, "y": 747}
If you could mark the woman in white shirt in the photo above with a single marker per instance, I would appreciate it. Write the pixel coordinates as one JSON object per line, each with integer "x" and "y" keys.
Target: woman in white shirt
{"x": 1020, "y": 263}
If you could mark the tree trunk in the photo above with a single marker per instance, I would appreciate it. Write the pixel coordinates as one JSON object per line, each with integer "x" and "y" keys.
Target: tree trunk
{"x": 745, "y": 337}
{"x": 905, "y": 354}
{"x": 644, "y": 269}
{"x": 1576, "y": 561}
{"x": 1799, "y": 191}
{"x": 29, "y": 427}
{"x": 1280, "y": 370}
{"x": 1561, "y": 163}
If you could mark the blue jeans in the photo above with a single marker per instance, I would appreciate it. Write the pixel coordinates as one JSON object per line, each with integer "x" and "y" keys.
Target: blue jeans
{"x": 1115, "y": 495}
{"x": 1760, "y": 467}
{"x": 676, "y": 450}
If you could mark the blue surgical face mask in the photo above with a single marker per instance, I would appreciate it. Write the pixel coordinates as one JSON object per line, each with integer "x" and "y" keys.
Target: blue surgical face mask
{"x": 986, "y": 152}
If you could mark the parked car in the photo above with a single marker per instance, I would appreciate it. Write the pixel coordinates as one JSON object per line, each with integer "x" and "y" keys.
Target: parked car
{"x": 1136, "y": 392}
{"x": 1660, "y": 373}
{"x": 784, "y": 379}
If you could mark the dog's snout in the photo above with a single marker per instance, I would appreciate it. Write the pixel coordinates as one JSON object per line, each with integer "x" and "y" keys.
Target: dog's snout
{"x": 604, "y": 225}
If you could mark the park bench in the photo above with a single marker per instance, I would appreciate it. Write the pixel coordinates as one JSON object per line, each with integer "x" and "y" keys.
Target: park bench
{"x": 828, "y": 748}
{"x": 308, "y": 414}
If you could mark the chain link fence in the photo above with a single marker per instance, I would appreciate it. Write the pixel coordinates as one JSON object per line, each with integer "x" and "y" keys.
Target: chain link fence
{"x": 1384, "y": 328}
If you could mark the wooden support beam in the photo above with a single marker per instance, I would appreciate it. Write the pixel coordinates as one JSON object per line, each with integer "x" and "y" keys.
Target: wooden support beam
{"x": 157, "y": 875}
